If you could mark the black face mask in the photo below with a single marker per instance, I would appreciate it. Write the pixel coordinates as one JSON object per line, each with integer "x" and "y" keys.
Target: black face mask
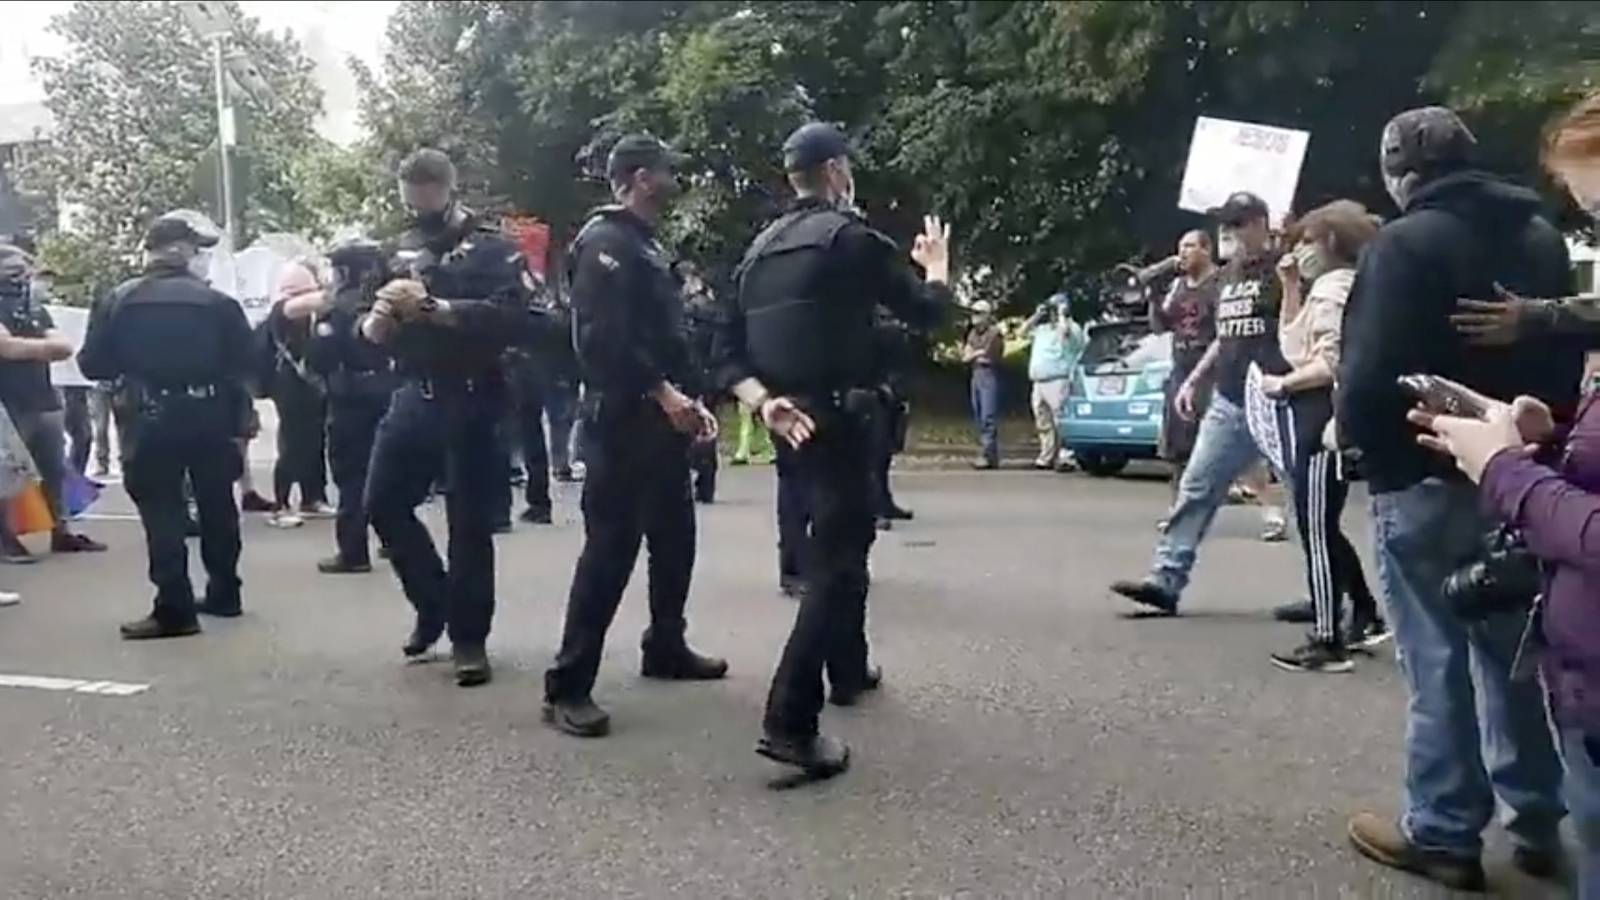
{"x": 434, "y": 222}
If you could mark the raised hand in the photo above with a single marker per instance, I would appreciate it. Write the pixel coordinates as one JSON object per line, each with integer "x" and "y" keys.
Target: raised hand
{"x": 931, "y": 248}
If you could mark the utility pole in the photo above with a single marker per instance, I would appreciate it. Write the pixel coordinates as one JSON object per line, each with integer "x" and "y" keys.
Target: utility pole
{"x": 225, "y": 142}
{"x": 213, "y": 22}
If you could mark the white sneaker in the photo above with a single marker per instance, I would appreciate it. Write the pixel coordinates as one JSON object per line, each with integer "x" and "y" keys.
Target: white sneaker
{"x": 318, "y": 511}
{"x": 7, "y": 598}
{"x": 284, "y": 520}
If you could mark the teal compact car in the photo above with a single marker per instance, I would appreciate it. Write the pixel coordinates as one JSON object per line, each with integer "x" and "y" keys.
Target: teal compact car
{"x": 1113, "y": 411}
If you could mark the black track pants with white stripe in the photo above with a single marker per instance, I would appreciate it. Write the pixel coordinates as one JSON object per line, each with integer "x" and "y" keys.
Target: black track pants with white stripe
{"x": 1333, "y": 570}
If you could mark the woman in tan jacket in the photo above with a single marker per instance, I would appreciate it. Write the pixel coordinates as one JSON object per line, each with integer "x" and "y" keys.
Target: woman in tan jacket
{"x": 1316, "y": 277}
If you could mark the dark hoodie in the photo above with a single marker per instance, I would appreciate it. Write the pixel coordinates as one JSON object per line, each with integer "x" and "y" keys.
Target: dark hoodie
{"x": 1460, "y": 234}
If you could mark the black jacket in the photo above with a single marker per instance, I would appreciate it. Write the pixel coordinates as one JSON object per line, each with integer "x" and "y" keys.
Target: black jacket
{"x": 355, "y": 370}
{"x": 485, "y": 279}
{"x": 1460, "y": 235}
{"x": 626, "y": 309}
{"x": 702, "y": 317}
{"x": 167, "y": 329}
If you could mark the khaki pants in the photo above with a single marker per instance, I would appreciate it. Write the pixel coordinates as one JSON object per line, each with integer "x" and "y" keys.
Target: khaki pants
{"x": 1048, "y": 396}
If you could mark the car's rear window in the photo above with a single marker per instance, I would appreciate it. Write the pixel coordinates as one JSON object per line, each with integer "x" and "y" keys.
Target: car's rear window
{"x": 1125, "y": 347}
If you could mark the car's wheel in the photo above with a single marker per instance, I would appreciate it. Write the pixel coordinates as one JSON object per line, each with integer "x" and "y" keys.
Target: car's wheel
{"x": 1102, "y": 465}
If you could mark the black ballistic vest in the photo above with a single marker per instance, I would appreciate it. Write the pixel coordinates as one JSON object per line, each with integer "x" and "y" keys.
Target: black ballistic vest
{"x": 806, "y": 330}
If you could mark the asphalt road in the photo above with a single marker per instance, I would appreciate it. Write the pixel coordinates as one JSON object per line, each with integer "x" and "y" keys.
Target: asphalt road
{"x": 1029, "y": 742}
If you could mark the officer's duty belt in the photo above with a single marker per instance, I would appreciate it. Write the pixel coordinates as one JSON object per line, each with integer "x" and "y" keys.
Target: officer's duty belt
{"x": 830, "y": 399}
{"x": 430, "y": 388}
{"x": 192, "y": 391}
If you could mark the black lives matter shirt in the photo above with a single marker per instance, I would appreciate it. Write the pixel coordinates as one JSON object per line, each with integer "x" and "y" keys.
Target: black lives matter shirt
{"x": 1248, "y": 298}
{"x": 25, "y": 384}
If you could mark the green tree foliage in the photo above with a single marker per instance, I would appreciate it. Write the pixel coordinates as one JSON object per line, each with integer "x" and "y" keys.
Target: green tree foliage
{"x": 1052, "y": 134}
{"x": 136, "y": 130}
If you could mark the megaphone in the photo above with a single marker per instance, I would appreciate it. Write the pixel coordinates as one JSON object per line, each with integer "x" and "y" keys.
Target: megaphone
{"x": 1156, "y": 271}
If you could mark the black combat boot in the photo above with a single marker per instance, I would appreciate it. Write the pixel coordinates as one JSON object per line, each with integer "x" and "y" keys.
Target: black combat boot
{"x": 579, "y": 718}
{"x": 848, "y": 695}
{"x": 818, "y": 755}
{"x": 681, "y": 664}
{"x": 151, "y": 628}
{"x": 472, "y": 665}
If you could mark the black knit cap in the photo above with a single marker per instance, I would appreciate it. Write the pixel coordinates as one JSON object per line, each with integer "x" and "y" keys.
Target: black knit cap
{"x": 1426, "y": 139}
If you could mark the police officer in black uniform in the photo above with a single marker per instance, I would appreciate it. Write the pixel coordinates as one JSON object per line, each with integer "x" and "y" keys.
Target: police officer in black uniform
{"x": 897, "y": 347}
{"x": 639, "y": 423}
{"x": 463, "y": 298}
{"x": 541, "y": 386}
{"x": 360, "y": 379}
{"x": 797, "y": 349}
{"x": 701, "y": 316}
{"x": 178, "y": 353}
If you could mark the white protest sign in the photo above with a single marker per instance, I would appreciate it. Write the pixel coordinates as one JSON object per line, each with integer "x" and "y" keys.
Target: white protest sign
{"x": 72, "y": 322}
{"x": 255, "y": 273}
{"x": 251, "y": 276}
{"x": 1227, "y": 156}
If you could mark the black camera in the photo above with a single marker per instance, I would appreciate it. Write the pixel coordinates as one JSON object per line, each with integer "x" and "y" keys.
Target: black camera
{"x": 1505, "y": 578}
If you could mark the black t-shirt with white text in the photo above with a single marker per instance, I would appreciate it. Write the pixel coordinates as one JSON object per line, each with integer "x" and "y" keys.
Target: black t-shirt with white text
{"x": 1248, "y": 299}
{"x": 25, "y": 384}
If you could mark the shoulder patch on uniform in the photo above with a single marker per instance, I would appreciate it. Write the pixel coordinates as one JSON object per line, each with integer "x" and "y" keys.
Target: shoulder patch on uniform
{"x": 608, "y": 260}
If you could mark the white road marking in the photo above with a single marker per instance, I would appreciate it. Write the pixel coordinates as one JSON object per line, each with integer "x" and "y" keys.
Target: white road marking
{"x": 75, "y": 685}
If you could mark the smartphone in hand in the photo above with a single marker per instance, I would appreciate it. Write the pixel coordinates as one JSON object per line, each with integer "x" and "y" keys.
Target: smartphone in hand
{"x": 1444, "y": 397}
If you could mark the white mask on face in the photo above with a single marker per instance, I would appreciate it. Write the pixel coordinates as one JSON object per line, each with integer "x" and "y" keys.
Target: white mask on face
{"x": 1227, "y": 246}
{"x": 1312, "y": 261}
{"x": 1398, "y": 189}
{"x": 199, "y": 265}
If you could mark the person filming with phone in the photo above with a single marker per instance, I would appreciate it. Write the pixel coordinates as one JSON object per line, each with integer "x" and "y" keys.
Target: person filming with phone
{"x": 1543, "y": 479}
{"x": 1474, "y": 734}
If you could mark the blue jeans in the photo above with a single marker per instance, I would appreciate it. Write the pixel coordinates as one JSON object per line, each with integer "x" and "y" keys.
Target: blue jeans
{"x": 1223, "y": 450}
{"x": 986, "y": 411}
{"x": 1455, "y": 765}
{"x": 1581, "y": 752}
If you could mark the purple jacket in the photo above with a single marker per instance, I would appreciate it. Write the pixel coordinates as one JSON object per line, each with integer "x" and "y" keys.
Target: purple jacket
{"x": 1556, "y": 503}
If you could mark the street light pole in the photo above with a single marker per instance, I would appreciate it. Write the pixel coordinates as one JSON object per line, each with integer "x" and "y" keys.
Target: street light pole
{"x": 224, "y": 141}
{"x": 214, "y": 22}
